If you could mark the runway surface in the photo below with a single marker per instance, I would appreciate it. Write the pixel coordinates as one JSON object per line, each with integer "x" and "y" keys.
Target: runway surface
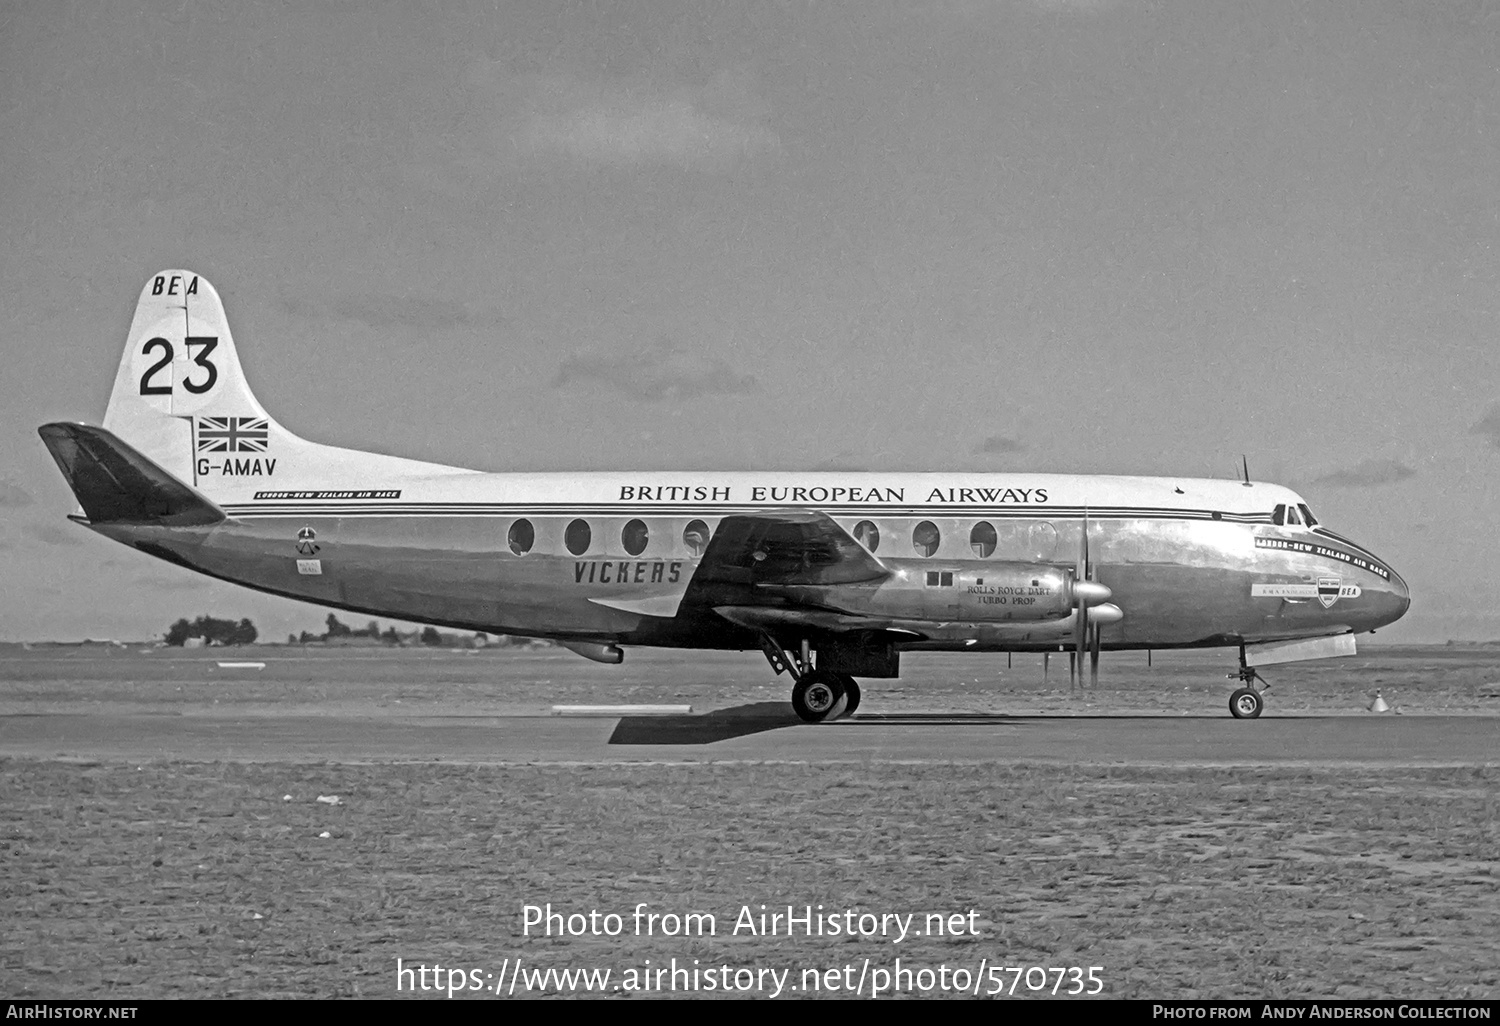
{"x": 171, "y": 814}
{"x": 765, "y": 731}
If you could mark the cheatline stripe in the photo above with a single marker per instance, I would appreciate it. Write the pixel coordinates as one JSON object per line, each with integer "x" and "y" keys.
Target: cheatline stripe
{"x": 1341, "y": 540}
{"x": 469, "y": 509}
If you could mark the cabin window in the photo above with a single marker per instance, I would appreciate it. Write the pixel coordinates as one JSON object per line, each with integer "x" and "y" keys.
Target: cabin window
{"x": 634, "y": 537}
{"x": 925, "y": 538}
{"x": 867, "y": 534}
{"x": 522, "y": 537}
{"x": 577, "y": 537}
{"x": 983, "y": 539}
{"x": 695, "y": 537}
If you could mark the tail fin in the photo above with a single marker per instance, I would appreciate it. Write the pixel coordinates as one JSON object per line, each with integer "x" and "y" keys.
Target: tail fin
{"x": 181, "y": 401}
{"x": 115, "y": 484}
{"x": 180, "y": 365}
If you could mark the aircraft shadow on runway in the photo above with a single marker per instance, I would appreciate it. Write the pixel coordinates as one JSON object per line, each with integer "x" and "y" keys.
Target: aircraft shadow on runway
{"x": 719, "y": 725}
{"x": 758, "y": 717}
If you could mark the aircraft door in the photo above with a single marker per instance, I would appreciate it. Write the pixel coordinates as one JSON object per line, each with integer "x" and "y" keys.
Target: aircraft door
{"x": 942, "y": 589}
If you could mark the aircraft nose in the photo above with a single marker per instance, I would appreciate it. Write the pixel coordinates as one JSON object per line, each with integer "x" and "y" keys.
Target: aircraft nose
{"x": 1394, "y": 600}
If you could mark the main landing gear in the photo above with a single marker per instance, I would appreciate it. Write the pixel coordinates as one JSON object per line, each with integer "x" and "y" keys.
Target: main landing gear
{"x": 1247, "y": 702}
{"x": 818, "y": 696}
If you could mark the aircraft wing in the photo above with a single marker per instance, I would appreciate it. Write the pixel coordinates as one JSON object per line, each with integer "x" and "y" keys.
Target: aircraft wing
{"x": 784, "y": 547}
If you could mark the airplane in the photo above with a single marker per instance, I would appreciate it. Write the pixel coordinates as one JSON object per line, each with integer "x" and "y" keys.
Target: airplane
{"x": 833, "y": 575}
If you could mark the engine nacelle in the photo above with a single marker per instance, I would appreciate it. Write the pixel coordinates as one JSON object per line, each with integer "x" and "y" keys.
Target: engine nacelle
{"x": 1013, "y": 592}
{"x": 977, "y": 593}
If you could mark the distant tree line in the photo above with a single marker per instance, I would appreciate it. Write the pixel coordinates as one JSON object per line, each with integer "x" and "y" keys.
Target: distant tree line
{"x": 338, "y": 631}
{"x": 227, "y": 632}
{"x": 212, "y": 631}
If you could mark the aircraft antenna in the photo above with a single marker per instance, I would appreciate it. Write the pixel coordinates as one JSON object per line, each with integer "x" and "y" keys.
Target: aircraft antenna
{"x": 1245, "y": 464}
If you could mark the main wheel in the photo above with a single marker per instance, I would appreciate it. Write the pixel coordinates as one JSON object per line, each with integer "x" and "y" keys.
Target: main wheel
{"x": 851, "y": 693}
{"x": 1246, "y": 704}
{"x": 817, "y": 696}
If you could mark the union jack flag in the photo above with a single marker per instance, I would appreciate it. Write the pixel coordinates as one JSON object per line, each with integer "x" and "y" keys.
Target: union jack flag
{"x": 232, "y": 434}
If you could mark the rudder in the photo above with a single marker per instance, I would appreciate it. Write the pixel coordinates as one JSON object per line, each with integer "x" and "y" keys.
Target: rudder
{"x": 180, "y": 366}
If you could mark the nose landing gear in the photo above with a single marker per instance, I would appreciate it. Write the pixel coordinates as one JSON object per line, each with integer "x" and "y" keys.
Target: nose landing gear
{"x": 1247, "y": 702}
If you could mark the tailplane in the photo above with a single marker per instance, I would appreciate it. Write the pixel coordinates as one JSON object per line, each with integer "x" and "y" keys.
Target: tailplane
{"x": 115, "y": 484}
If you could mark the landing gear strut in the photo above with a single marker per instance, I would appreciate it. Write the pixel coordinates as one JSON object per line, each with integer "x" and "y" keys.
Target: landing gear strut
{"x": 818, "y": 695}
{"x": 1246, "y": 703}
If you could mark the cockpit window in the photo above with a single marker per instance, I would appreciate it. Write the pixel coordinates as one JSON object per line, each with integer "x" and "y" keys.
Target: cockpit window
{"x": 1298, "y": 515}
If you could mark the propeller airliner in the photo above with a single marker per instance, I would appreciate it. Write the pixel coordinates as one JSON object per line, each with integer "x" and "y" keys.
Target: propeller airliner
{"x": 834, "y": 576}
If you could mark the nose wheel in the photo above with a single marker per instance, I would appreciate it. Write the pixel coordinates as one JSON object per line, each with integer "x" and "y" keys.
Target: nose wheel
{"x": 1248, "y": 701}
{"x": 1246, "y": 704}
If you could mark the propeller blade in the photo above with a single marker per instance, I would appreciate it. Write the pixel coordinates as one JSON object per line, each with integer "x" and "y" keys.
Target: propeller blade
{"x": 1080, "y": 574}
{"x": 1094, "y": 657}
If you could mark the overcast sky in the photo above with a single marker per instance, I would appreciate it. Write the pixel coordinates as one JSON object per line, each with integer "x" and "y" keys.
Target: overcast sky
{"x": 1092, "y": 236}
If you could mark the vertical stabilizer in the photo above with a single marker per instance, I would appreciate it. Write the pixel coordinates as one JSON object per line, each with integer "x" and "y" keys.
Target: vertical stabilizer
{"x": 181, "y": 400}
{"x": 179, "y": 366}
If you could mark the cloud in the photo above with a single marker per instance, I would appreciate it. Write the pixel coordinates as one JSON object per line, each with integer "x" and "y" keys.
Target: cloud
{"x": 1368, "y": 474}
{"x": 841, "y": 463}
{"x": 383, "y": 311}
{"x": 628, "y": 123}
{"x": 1075, "y": 6}
{"x": 999, "y": 444}
{"x": 52, "y": 534}
{"x": 664, "y": 370}
{"x": 1489, "y": 427}
{"x": 13, "y": 496}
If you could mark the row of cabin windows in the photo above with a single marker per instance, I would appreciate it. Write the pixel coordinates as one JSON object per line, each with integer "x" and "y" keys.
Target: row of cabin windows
{"x": 578, "y": 536}
{"x": 925, "y": 538}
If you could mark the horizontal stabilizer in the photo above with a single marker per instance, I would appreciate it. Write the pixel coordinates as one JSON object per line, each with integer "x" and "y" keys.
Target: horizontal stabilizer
{"x": 116, "y": 484}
